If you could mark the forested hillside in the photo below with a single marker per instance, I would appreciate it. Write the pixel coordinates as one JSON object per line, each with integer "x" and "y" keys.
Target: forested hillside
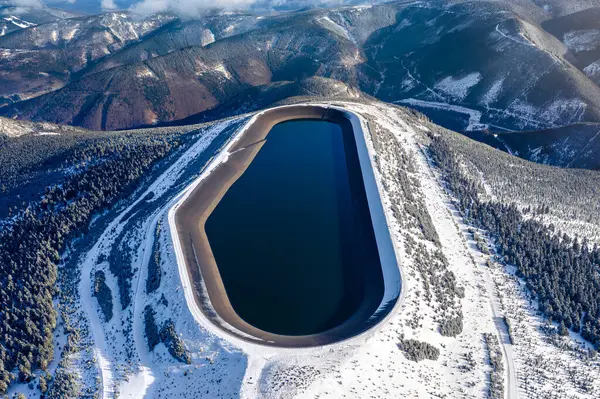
{"x": 572, "y": 146}
{"x": 562, "y": 272}
{"x": 96, "y": 172}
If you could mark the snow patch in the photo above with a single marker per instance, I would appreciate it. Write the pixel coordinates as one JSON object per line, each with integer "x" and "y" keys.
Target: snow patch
{"x": 18, "y": 22}
{"x": 593, "y": 71}
{"x": 339, "y": 30}
{"x": 222, "y": 70}
{"x": 458, "y": 88}
{"x": 405, "y": 23}
{"x": 493, "y": 93}
{"x": 564, "y": 109}
{"x": 207, "y": 37}
{"x": 69, "y": 35}
{"x": 474, "y": 115}
{"x": 144, "y": 72}
{"x": 557, "y": 112}
{"x": 582, "y": 40}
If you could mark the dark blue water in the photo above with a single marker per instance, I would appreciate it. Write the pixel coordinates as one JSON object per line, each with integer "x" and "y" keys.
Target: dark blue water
{"x": 293, "y": 237}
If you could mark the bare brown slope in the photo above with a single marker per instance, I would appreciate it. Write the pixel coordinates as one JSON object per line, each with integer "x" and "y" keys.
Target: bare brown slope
{"x": 188, "y": 81}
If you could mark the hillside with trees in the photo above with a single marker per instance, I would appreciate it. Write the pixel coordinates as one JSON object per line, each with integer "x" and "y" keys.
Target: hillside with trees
{"x": 562, "y": 272}
{"x": 91, "y": 174}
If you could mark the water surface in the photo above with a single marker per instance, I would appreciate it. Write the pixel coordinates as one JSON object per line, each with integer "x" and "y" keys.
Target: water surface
{"x": 292, "y": 237}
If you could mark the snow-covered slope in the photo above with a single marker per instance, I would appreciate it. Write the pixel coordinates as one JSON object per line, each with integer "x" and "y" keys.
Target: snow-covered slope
{"x": 16, "y": 128}
{"x": 433, "y": 246}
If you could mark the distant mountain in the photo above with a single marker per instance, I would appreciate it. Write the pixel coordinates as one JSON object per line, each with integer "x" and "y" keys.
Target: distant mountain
{"x": 580, "y": 32}
{"x": 469, "y": 66}
{"x": 43, "y": 58}
{"x": 178, "y": 34}
{"x": 573, "y": 146}
{"x": 472, "y": 65}
{"x": 14, "y": 18}
{"x": 192, "y": 80}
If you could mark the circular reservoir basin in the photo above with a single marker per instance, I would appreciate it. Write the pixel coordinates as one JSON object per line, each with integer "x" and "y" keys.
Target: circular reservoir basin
{"x": 279, "y": 238}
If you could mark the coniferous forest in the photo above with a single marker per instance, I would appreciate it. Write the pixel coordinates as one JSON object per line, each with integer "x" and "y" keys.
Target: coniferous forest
{"x": 562, "y": 272}
{"x": 94, "y": 178}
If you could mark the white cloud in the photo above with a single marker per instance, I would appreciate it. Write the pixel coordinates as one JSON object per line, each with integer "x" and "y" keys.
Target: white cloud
{"x": 28, "y": 3}
{"x": 108, "y": 5}
{"x": 186, "y": 7}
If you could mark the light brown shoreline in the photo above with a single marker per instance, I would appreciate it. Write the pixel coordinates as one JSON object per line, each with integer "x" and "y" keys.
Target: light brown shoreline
{"x": 201, "y": 266}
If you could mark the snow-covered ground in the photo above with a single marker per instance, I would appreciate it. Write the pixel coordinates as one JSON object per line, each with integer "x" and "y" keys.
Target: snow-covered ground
{"x": 582, "y": 40}
{"x": 370, "y": 365}
{"x": 458, "y": 87}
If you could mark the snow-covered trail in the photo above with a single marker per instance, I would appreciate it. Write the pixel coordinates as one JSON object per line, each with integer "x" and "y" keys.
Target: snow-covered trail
{"x": 104, "y": 362}
{"x": 251, "y": 385}
{"x": 511, "y": 390}
{"x": 145, "y": 373}
{"x": 506, "y": 36}
{"x": 85, "y": 291}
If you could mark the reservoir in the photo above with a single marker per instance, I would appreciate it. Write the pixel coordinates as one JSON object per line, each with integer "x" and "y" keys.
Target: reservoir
{"x": 292, "y": 237}
{"x": 283, "y": 237}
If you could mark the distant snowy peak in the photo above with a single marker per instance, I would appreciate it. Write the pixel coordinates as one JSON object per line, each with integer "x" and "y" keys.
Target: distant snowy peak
{"x": 14, "y": 18}
{"x": 10, "y": 22}
{"x": 18, "y": 21}
{"x": 107, "y": 29}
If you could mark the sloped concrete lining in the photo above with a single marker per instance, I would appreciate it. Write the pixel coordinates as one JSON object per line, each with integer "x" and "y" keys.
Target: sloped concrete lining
{"x": 194, "y": 208}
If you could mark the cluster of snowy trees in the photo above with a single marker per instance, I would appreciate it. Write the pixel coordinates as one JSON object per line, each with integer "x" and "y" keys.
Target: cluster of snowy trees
{"x": 441, "y": 290}
{"x": 418, "y": 350}
{"x": 496, "y": 387}
{"x": 562, "y": 272}
{"x": 167, "y": 335}
{"x": 103, "y": 294}
{"x": 154, "y": 269}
